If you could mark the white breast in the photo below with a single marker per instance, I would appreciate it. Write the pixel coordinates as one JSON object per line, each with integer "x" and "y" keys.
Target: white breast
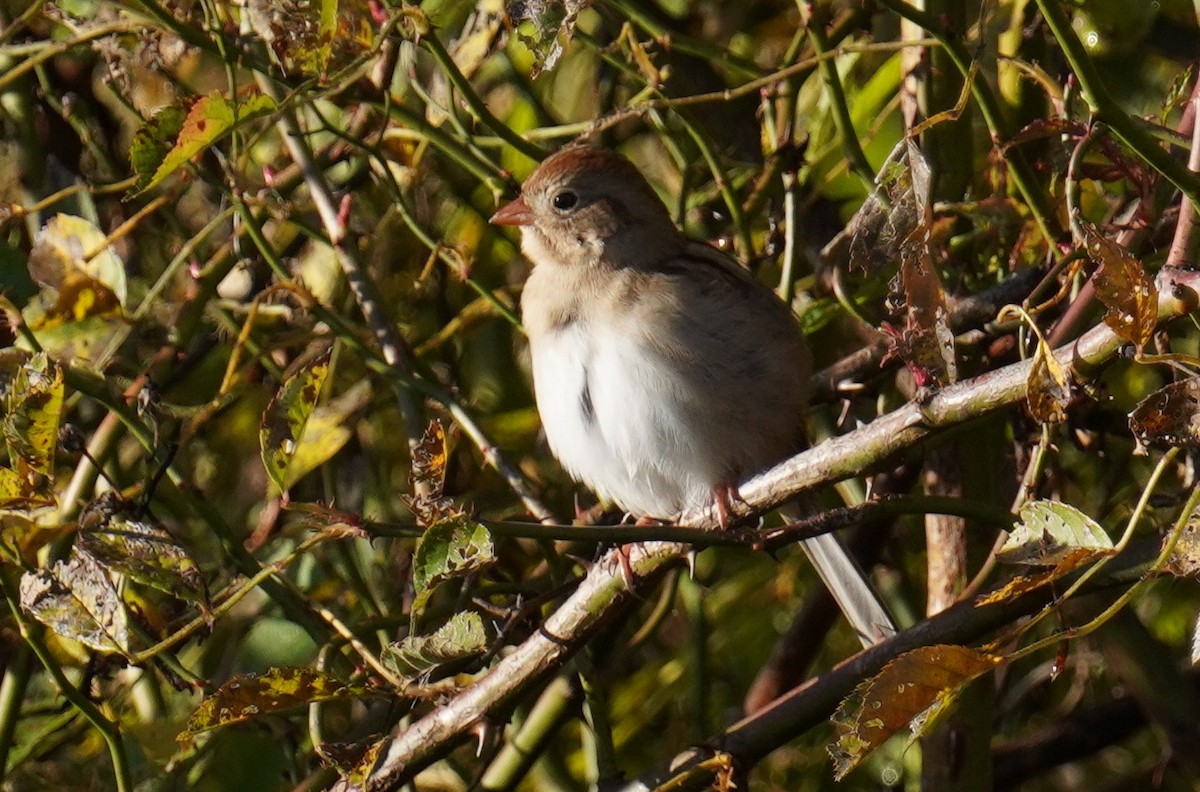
{"x": 615, "y": 420}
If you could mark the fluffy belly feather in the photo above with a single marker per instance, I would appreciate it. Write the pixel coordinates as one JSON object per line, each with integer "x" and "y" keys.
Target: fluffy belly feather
{"x": 618, "y": 424}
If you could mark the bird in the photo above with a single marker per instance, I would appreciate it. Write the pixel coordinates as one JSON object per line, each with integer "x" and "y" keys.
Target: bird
{"x": 664, "y": 372}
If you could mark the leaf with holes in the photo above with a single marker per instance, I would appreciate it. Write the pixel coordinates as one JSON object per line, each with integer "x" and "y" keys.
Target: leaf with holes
{"x": 1184, "y": 559}
{"x": 429, "y": 459}
{"x": 153, "y": 140}
{"x": 33, "y": 403}
{"x": 913, "y": 688}
{"x": 1049, "y": 532}
{"x": 286, "y": 418}
{"x": 549, "y": 29}
{"x": 449, "y": 549}
{"x": 277, "y": 689}
{"x": 460, "y": 638}
{"x": 77, "y": 600}
{"x": 1170, "y": 416}
{"x": 144, "y": 552}
{"x": 1122, "y": 285}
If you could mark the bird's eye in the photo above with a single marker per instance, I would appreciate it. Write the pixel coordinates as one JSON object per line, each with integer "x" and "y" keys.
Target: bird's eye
{"x": 564, "y": 200}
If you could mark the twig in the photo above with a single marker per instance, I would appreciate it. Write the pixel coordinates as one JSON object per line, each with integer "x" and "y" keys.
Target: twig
{"x": 1182, "y": 243}
{"x": 395, "y": 353}
{"x": 842, "y": 457}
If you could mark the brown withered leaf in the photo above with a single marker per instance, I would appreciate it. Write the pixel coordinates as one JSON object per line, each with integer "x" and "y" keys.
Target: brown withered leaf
{"x": 429, "y": 459}
{"x": 1170, "y": 416}
{"x": 335, "y": 523}
{"x": 895, "y": 211}
{"x": 924, "y": 340}
{"x": 77, "y": 600}
{"x": 1124, "y": 288}
{"x": 1184, "y": 560}
{"x": 913, "y": 688}
{"x": 244, "y": 697}
{"x": 358, "y": 775}
{"x": 1048, "y": 388}
{"x": 1022, "y": 584}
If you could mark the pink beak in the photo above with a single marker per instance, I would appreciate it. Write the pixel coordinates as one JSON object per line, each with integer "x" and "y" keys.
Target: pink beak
{"x": 513, "y": 214}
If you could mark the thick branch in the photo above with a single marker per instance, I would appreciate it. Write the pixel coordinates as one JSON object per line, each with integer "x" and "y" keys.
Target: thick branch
{"x": 841, "y": 457}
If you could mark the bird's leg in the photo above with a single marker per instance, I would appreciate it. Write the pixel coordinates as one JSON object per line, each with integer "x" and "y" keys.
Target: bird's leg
{"x": 623, "y": 551}
{"x": 724, "y": 496}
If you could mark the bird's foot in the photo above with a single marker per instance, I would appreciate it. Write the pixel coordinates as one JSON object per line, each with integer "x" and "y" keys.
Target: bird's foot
{"x": 725, "y": 496}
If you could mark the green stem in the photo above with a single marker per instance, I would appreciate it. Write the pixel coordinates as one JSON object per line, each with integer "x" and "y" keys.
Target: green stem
{"x": 464, "y": 87}
{"x": 1019, "y": 170}
{"x": 526, "y": 743}
{"x": 12, "y": 693}
{"x": 1106, "y": 109}
{"x": 841, "y": 110}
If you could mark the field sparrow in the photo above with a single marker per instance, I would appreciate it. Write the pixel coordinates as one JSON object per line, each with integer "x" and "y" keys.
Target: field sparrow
{"x": 664, "y": 373}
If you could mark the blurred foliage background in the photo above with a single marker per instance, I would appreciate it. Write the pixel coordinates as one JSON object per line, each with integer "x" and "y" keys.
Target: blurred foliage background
{"x": 247, "y": 276}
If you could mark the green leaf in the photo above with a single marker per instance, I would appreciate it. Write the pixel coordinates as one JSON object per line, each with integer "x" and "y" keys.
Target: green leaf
{"x": 451, "y": 548}
{"x": 286, "y": 418}
{"x": 461, "y": 637}
{"x": 1049, "y": 532}
{"x": 208, "y": 120}
{"x": 77, "y": 600}
{"x": 326, "y": 432}
{"x": 153, "y": 141}
{"x": 22, "y": 535}
{"x": 244, "y": 697}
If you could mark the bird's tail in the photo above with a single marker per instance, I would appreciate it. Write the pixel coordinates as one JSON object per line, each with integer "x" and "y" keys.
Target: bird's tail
{"x": 850, "y": 588}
